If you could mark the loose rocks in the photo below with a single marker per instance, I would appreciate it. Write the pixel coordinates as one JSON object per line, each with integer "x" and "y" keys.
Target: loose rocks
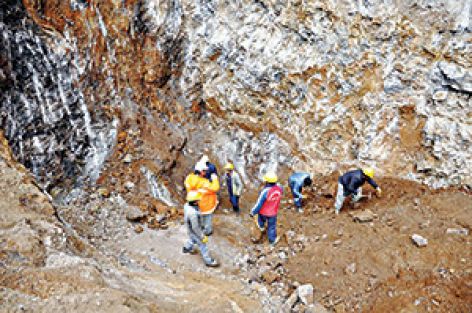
{"x": 305, "y": 294}
{"x": 363, "y": 217}
{"x": 134, "y": 214}
{"x": 419, "y": 240}
{"x": 457, "y": 231}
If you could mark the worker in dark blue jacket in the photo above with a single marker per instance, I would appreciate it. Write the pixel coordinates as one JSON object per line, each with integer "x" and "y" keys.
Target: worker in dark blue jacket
{"x": 350, "y": 184}
{"x": 211, "y": 167}
{"x": 297, "y": 181}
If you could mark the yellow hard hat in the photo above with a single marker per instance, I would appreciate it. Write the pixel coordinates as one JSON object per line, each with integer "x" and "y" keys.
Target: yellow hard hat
{"x": 270, "y": 177}
{"x": 369, "y": 172}
{"x": 229, "y": 166}
{"x": 193, "y": 196}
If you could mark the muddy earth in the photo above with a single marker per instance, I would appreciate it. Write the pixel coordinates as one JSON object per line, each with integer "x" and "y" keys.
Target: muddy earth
{"x": 88, "y": 257}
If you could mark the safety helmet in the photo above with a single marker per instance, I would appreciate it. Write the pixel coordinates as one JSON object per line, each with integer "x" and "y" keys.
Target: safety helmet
{"x": 204, "y": 158}
{"x": 200, "y": 166}
{"x": 229, "y": 166}
{"x": 369, "y": 172}
{"x": 270, "y": 177}
{"x": 193, "y": 196}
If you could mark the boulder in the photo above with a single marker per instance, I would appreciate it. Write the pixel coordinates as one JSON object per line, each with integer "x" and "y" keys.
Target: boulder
{"x": 457, "y": 231}
{"x": 127, "y": 159}
{"x": 134, "y": 214}
{"x": 129, "y": 185}
{"x": 305, "y": 293}
{"x": 440, "y": 95}
{"x": 138, "y": 229}
{"x": 456, "y": 76}
{"x": 363, "y": 216}
{"x": 419, "y": 240}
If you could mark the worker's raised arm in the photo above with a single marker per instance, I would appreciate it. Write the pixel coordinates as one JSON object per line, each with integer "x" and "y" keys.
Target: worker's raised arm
{"x": 215, "y": 183}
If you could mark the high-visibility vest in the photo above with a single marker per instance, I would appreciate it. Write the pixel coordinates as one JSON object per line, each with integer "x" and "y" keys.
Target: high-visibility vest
{"x": 208, "y": 190}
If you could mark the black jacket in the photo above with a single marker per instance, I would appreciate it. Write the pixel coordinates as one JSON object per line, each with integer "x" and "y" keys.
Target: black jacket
{"x": 352, "y": 180}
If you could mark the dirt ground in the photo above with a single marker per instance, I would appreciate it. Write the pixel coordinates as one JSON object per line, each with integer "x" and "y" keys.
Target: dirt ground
{"x": 87, "y": 257}
{"x": 374, "y": 266}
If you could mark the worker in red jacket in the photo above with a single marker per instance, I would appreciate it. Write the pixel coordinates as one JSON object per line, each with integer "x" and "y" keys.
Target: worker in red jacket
{"x": 267, "y": 207}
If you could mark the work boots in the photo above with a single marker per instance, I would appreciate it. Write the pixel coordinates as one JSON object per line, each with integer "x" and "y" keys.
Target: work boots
{"x": 274, "y": 243}
{"x": 189, "y": 251}
{"x": 212, "y": 263}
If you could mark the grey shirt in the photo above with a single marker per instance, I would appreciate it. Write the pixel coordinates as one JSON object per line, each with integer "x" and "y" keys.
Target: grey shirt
{"x": 234, "y": 182}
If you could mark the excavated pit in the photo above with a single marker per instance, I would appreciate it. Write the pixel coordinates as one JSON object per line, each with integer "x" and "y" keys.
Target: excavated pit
{"x": 105, "y": 107}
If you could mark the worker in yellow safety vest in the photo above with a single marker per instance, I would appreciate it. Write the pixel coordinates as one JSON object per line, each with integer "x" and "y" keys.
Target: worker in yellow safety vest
{"x": 197, "y": 181}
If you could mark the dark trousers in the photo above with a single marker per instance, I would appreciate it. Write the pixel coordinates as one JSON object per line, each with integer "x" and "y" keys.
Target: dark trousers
{"x": 234, "y": 202}
{"x": 271, "y": 226}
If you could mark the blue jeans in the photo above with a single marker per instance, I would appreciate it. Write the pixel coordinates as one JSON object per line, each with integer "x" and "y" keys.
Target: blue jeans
{"x": 296, "y": 199}
{"x": 190, "y": 245}
{"x": 235, "y": 203}
{"x": 207, "y": 224}
{"x": 271, "y": 226}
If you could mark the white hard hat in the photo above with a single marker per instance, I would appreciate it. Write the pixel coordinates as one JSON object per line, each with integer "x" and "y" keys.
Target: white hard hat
{"x": 204, "y": 159}
{"x": 200, "y": 166}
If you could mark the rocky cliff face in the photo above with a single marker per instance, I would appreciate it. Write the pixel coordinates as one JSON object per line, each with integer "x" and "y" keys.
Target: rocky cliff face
{"x": 314, "y": 85}
{"x": 108, "y": 104}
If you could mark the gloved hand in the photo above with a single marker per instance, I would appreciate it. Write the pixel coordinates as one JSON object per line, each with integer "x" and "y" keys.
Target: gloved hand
{"x": 251, "y": 214}
{"x": 379, "y": 191}
{"x": 205, "y": 239}
{"x": 214, "y": 177}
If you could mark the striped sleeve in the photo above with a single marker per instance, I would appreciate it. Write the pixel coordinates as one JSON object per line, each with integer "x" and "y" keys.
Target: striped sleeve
{"x": 260, "y": 201}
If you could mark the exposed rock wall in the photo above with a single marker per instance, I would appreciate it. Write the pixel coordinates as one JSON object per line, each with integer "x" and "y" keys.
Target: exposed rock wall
{"x": 342, "y": 83}
{"x": 313, "y": 85}
{"x": 54, "y": 129}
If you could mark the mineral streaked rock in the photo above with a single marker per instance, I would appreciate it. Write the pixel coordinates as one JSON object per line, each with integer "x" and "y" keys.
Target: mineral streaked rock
{"x": 313, "y": 85}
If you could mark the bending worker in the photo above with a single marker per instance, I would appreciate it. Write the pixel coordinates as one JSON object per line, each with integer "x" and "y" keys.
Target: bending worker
{"x": 235, "y": 186}
{"x": 296, "y": 182}
{"x": 267, "y": 207}
{"x": 197, "y": 182}
{"x": 350, "y": 184}
{"x": 193, "y": 221}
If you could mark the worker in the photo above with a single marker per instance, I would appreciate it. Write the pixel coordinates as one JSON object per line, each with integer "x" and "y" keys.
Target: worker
{"x": 350, "y": 184}
{"x": 297, "y": 181}
{"x": 234, "y": 184}
{"x": 211, "y": 167}
{"x": 267, "y": 207}
{"x": 197, "y": 181}
{"x": 193, "y": 221}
